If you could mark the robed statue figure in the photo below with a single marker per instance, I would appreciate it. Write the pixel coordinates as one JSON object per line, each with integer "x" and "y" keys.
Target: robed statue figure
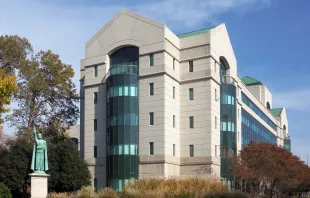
{"x": 39, "y": 162}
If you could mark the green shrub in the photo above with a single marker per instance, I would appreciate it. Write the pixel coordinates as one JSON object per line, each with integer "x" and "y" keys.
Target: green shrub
{"x": 5, "y": 191}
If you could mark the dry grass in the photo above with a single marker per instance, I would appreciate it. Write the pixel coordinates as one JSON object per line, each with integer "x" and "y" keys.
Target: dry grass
{"x": 171, "y": 187}
{"x": 153, "y": 188}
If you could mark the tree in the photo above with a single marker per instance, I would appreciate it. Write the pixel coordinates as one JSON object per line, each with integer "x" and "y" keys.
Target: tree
{"x": 14, "y": 51}
{"x": 15, "y": 165}
{"x": 269, "y": 169}
{"x": 13, "y": 55}
{"x": 68, "y": 172}
{"x": 5, "y": 191}
{"x": 46, "y": 93}
{"x": 7, "y": 89}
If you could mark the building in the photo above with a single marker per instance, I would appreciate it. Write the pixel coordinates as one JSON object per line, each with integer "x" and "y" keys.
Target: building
{"x": 159, "y": 104}
{"x": 74, "y": 134}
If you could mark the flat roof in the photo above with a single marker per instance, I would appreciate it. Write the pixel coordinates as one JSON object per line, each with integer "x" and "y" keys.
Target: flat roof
{"x": 248, "y": 81}
{"x": 193, "y": 33}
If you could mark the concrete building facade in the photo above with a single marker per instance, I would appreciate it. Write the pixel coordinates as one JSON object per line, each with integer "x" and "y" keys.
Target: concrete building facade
{"x": 159, "y": 104}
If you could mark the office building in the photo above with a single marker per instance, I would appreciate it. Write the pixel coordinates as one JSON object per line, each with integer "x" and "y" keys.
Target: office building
{"x": 159, "y": 104}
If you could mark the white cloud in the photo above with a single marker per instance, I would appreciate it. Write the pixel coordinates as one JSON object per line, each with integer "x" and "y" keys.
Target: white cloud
{"x": 193, "y": 12}
{"x": 65, "y": 26}
{"x": 295, "y": 100}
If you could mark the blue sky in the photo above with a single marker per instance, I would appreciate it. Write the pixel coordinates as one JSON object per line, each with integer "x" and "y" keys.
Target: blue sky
{"x": 270, "y": 39}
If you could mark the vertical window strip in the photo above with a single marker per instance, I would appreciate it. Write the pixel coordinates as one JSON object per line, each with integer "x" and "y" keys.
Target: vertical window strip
{"x": 96, "y": 71}
{"x": 151, "y": 148}
{"x": 191, "y": 122}
{"x": 191, "y": 94}
{"x": 191, "y": 150}
{"x": 151, "y": 59}
{"x": 151, "y": 118}
{"x": 191, "y": 66}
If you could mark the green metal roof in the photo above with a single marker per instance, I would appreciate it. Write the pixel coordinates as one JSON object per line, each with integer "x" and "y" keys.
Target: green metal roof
{"x": 193, "y": 33}
{"x": 276, "y": 112}
{"x": 247, "y": 80}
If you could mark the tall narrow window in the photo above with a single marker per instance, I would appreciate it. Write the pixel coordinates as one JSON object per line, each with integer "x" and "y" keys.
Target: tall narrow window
{"x": 191, "y": 150}
{"x": 173, "y": 66}
{"x": 151, "y": 148}
{"x": 173, "y": 121}
{"x": 215, "y": 94}
{"x": 173, "y": 92}
{"x": 152, "y": 118}
{"x": 238, "y": 135}
{"x": 215, "y": 151}
{"x": 95, "y": 151}
{"x": 96, "y": 71}
{"x": 151, "y": 89}
{"x": 95, "y": 97}
{"x": 191, "y": 66}
{"x": 95, "y": 124}
{"x": 238, "y": 113}
{"x": 95, "y": 185}
{"x": 191, "y": 94}
{"x": 151, "y": 59}
{"x": 173, "y": 149}
{"x": 215, "y": 123}
{"x": 191, "y": 122}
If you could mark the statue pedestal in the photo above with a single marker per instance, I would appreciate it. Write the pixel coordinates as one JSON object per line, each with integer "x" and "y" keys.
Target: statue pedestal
{"x": 39, "y": 185}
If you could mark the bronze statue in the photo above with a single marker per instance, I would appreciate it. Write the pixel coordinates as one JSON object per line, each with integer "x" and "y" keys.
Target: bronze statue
{"x": 39, "y": 162}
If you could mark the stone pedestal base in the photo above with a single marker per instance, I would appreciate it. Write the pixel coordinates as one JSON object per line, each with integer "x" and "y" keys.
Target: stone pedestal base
{"x": 39, "y": 185}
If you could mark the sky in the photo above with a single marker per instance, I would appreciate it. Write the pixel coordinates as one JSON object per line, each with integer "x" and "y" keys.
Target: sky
{"x": 270, "y": 38}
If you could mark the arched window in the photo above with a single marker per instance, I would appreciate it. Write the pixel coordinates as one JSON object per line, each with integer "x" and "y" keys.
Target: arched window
{"x": 284, "y": 131}
{"x": 222, "y": 68}
{"x": 268, "y": 105}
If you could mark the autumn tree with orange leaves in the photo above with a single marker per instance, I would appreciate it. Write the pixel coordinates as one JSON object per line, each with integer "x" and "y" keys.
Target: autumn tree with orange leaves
{"x": 268, "y": 169}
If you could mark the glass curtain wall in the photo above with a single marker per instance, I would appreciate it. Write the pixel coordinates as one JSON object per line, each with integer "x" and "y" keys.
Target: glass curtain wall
{"x": 228, "y": 126}
{"x": 228, "y": 120}
{"x": 123, "y": 117}
{"x": 287, "y": 143}
{"x": 259, "y": 112}
{"x": 253, "y": 131}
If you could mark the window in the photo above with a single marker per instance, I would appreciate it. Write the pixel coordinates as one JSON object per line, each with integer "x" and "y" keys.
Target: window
{"x": 96, "y": 71}
{"x": 173, "y": 149}
{"x": 191, "y": 122}
{"x": 173, "y": 92}
{"x": 152, "y": 118}
{"x": 238, "y": 113}
{"x": 191, "y": 150}
{"x": 173, "y": 64}
{"x": 215, "y": 94}
{"x": 95, "y": 185}
{"x": 191, "y": 66}
{"x": 191, "y": 94}
{"x": 215, "y": 123}
{"x": 268, "y": 105}
{"x": 173, "y": 122}
{"x": 95, "y": 124}
{"x": 215, "y": 151}
{"x": 95, "y": 151}
{"x": 238, "y": 135}
{"x": 151, "y": 59}
{"x": 151, "y": 89}
{"x": 151, "y": 148}
{"x": 95, "y": 97}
